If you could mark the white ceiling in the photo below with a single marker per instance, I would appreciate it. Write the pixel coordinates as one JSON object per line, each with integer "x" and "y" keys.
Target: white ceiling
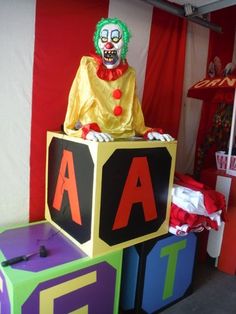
{"x": 194, "y": 10}
{"x": 202, "y": 6}
{"x": 206, "y": 5}
{"x": 196, "y": 3}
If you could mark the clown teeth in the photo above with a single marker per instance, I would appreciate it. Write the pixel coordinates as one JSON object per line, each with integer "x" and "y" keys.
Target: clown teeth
{"x": 110, "y": 52}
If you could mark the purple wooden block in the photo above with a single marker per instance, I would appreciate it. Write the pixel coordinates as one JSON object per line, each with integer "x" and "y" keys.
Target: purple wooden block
{"x": 27, "y": 240}
{"x": 98, "y": 296}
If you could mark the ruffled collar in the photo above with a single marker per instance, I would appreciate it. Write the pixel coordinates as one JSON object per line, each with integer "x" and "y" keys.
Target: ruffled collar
{"x": 109, "y": 74}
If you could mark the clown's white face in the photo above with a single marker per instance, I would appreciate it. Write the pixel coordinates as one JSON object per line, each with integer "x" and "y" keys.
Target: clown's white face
{"x": 111, "y": 43}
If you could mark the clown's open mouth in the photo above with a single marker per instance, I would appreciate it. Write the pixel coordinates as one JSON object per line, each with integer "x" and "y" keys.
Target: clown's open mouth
{"x": 110, "y": 56}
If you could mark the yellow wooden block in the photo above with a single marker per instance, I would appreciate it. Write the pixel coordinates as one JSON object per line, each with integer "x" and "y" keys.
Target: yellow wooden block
{"x": 108, "y": 196}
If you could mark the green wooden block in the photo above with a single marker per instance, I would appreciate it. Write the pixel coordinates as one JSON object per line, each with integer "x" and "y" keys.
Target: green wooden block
{"x": 65, "y": 281}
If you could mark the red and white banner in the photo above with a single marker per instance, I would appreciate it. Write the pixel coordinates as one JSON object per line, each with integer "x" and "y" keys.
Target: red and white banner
{"x": 41, "y": 46}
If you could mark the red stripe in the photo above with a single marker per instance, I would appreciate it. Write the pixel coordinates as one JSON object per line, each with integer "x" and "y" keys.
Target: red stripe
{"x": 64, "y": 33}
{"x": 165, "y": 70}
{"x": 222, "y": 44}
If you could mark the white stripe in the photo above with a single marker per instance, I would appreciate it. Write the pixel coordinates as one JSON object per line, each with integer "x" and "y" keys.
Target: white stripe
{"x": 234, "y": 52}
{"x": 195, "y": 70}
{"x": 138, "y": 17}
{"x": 17, "y": 20}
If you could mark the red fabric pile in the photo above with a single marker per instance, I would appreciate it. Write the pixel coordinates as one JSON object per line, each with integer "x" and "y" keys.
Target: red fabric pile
{"x": 195, "y": 206}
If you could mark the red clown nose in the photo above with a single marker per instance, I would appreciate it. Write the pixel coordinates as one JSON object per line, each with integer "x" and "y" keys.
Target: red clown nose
{"x": 109, "y": 45}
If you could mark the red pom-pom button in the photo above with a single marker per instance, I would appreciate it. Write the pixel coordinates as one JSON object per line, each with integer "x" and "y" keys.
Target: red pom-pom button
{"x": 117, "y": 110}
{"x": 117, "y": 93}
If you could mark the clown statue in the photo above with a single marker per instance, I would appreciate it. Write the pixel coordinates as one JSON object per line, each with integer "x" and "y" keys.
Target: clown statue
{"x": 103, "y": 104}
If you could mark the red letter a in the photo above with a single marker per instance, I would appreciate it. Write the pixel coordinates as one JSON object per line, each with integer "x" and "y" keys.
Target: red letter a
{"x": 67, "y": 184}
{"x": 138, "y": 188}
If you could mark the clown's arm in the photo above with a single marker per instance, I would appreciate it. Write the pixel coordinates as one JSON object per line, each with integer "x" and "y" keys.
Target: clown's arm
{"x": 79, "y": 105}
{"x": 73, "y": 108}
{"x": 146, "y": 132}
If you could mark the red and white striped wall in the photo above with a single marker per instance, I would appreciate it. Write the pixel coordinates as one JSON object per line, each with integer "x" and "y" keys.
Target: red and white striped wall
{"x": 41, "y": 46}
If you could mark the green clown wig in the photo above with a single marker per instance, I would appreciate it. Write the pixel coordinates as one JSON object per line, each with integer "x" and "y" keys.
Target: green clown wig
{"x": 123, "y": 27}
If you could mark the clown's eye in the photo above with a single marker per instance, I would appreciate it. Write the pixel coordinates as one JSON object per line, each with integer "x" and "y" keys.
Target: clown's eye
{"x": 115, "y": 36}
{"x": 104, "y": 35}
{"x": 115, "y": 39}
{"x": 104, "y": 39}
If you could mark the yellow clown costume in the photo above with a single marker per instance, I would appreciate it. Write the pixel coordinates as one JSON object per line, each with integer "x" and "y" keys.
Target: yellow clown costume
{"x": 103, "y": 104}
{"x": 104, "y": 100}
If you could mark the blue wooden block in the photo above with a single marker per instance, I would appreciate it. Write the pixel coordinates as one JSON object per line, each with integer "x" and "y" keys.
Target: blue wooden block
{"x": 157, "y": 273}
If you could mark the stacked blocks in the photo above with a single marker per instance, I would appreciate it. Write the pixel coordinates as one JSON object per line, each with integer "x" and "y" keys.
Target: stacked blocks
{"x": 100, "y": 199}
{"x": 157, "y": 273}
{"x": 66, "y": 281}
{"x": 108, "y": 196}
